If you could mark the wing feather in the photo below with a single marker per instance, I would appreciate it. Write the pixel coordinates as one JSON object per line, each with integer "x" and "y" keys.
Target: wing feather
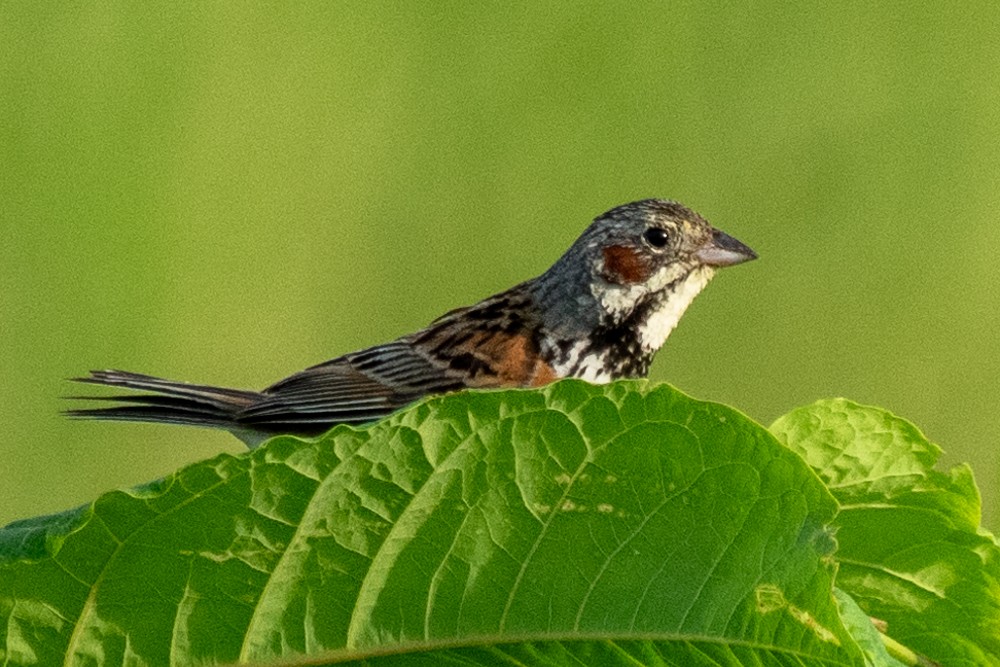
{"x": 355, "y": 388}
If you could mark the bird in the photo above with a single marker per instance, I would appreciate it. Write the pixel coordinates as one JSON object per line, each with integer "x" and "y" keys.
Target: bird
{"x": 599, "y": 313}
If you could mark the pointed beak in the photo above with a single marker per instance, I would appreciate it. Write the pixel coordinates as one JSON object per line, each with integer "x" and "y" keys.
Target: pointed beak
{"x": 723, "y": 250}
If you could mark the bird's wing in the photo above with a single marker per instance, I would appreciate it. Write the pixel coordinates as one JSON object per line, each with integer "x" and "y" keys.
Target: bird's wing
{"x": 489, "y": 344}
{"x": 353, "y": 389}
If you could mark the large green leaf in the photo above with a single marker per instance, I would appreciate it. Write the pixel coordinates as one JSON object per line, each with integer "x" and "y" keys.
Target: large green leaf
{"x": 578, "y": 524}
{"x": 910, "y": 548}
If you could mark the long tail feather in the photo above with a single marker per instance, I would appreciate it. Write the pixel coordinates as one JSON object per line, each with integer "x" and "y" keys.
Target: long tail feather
{"x": 169, "y": 403}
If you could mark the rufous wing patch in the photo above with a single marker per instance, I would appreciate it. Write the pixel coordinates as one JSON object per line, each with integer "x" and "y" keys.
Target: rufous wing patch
{"x": 626, "y": 266}
{"x": 512, "y": 361}
{"x": 542, "y": 374}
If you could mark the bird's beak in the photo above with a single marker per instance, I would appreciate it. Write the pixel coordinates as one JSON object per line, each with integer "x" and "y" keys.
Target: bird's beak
{"x": 723, "y": 250}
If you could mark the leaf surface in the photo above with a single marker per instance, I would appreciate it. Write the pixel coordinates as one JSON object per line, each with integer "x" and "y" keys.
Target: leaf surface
{"x": 573, "y": 525}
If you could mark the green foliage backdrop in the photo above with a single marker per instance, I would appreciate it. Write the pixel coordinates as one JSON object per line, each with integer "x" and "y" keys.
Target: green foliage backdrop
{"x": 227, "y": 192}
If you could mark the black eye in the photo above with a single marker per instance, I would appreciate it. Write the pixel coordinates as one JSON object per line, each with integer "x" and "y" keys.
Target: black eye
{"x": 656, "y": 237}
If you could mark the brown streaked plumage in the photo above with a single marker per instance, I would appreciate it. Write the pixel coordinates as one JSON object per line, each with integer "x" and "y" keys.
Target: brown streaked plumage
{"x": 599, "y": 313}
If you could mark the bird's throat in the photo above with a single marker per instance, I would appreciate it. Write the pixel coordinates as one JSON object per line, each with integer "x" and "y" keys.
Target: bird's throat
{"x": 668, "y": 308}
{"x": 624, "y": 344}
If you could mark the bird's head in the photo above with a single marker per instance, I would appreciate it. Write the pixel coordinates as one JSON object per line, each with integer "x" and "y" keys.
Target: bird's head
{"x": 637, "y": 267}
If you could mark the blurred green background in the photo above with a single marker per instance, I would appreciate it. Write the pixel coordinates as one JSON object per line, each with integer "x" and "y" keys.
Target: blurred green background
{"x": 228, "y": 192}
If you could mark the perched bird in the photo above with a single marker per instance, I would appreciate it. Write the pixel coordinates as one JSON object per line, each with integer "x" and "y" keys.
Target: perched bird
{"x": 599, "y": 313}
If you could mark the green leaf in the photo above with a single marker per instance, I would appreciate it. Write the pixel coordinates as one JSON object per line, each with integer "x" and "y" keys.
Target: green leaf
{"x": 578, "y": 524}
{"x": 911, "y": 552}
{"x": 871, "y": 642}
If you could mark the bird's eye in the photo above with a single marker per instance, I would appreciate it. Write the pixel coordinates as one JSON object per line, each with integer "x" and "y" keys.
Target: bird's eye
{"x": 656, "y": 236}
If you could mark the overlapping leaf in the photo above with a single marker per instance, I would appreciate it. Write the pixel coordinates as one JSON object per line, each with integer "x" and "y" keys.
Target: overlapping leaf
{"x": 910, "y": 548}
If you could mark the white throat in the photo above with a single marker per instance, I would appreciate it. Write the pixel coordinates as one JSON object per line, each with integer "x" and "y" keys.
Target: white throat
{"x": 620, "y": 301}
{"x": 657, "y": 327}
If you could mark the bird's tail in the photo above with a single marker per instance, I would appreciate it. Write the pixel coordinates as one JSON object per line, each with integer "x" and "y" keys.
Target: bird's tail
{"x": 168, "y": 402}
